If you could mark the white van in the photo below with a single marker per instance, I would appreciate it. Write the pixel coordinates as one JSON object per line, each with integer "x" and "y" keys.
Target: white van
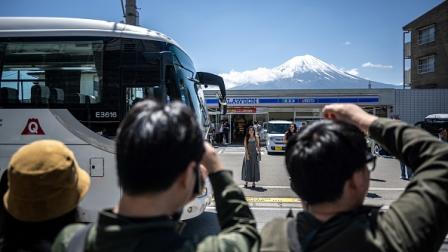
{"x": 434, "y": 123}
{"x": 275, "y": 135}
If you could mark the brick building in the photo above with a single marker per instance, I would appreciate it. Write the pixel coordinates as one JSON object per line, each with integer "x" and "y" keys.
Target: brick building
{"x": 425, "y": 63}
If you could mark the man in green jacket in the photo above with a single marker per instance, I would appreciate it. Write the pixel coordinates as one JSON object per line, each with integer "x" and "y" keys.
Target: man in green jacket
{"x": 330, "y": 167}
{"x": 160, "y": 153}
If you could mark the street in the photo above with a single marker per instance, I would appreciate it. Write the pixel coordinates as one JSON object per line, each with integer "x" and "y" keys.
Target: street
{"x": 273, "y": 198}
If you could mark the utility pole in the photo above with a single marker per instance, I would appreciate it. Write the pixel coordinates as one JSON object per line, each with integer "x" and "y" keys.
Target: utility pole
{"x": 131, "y": 12}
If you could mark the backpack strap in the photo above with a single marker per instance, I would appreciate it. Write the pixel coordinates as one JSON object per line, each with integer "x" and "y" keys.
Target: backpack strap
{"x": 372, "y": 216}
{"x": 293, "y": 236}
{"x": 78, "y": 241}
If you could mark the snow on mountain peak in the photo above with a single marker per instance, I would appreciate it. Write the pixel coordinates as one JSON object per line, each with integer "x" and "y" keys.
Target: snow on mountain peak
{"x": 299, "y": 69}
{"x": 309, "y": 63}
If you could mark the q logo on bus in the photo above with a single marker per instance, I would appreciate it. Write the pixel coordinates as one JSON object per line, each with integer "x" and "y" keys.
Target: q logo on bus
{"x": 33, "y": 127}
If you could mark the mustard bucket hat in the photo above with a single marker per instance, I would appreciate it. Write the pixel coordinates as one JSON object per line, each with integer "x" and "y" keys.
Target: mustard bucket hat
{"x": 44, "y": 182}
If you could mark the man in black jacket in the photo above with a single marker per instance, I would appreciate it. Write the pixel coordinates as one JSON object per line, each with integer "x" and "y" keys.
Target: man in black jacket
{"x": 160, "y": 150}
{"x": 330, "y": 167}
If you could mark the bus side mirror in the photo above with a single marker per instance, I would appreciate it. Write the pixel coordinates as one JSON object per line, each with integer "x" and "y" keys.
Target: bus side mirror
{"x": 222, "y": 105}
{"x": 209, "y": 79}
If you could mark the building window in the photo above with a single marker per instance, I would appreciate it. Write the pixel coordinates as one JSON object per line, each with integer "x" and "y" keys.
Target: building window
{"x": 426, "y": 64}
{"x": 426, "y": 34}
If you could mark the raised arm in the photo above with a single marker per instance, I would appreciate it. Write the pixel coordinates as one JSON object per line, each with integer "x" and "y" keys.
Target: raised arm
{"x": 418, "y": 219}
{"x": 239, "y": 232}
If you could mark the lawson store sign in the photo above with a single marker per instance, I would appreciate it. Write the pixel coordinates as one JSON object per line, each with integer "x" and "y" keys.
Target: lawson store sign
{"x": 282, "y": 101}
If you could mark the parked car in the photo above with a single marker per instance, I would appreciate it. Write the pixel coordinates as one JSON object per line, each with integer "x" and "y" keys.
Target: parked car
{"x": 380, "y": 151}
{"x": 274, "y": 135}
{"x": 434, "y": 123}
{"x": 376, "y": 148}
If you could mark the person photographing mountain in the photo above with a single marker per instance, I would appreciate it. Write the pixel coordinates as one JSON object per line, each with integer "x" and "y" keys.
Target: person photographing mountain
{"x": 334, "y": 217}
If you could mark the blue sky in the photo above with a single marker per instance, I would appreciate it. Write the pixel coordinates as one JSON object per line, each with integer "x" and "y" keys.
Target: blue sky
{"x": 242, "y": 35}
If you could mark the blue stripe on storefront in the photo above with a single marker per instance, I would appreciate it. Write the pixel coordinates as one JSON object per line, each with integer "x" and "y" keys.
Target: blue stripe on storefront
{"x": 293, "y": 100}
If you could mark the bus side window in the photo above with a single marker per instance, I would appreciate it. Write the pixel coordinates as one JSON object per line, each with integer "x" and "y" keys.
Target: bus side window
{"x": 184, "y": 95}
{"x": 171, "y": 84}
{"x": 34, "y": 70}
{"x": 2, "y": 52}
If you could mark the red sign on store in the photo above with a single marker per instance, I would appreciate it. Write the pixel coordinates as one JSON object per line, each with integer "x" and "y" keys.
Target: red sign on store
{"x": 242, "y": 110}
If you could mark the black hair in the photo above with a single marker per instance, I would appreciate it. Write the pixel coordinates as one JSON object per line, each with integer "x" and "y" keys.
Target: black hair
{"x": 288, "y": 133}
{"x": 322, "y": 158}
{"x": 155, "y": 144}
{"x": 247, "y": 135}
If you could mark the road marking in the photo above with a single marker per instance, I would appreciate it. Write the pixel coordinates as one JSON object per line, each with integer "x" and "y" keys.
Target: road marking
{"x": 279, "y": 200}
{"x": 386, "y": 189}
{"x": 235, "y": 150}
{"x": 271, "y": 200}
{"x": 383, "y": 208}
{"x": 271, "y": 187}
{"x": 265, "y": 208}
{"x": 370, "y": 189}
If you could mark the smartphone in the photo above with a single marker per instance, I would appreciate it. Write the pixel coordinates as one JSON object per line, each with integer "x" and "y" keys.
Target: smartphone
{"x": 199, "y": 183}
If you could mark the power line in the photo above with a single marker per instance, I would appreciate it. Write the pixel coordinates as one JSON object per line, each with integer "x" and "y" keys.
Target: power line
{"x": 122, "y": 9}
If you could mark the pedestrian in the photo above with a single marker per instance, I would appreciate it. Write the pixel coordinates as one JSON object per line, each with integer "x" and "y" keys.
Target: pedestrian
{"x": 225, "y": 132}
{"x": 45, "y": 186}
{"x": 302, "y": 127}
{"x": 406, "y": 172}
{"x": 292, "y": 130}
{"x": 252, "y": 156}
{"x": 334, "y": 217}
{"x": 160, "y": 156}
{"x": 221, "y": 132}
{"x": 257, "y": 128}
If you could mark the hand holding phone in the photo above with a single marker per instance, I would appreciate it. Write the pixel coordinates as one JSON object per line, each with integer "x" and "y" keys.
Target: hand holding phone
{"x": 210, "y": 160}
{"x": 201, "y": 175}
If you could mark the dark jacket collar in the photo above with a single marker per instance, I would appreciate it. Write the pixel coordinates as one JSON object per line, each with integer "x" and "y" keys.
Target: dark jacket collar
{"x": 116, "y": 232}
{"x": 312, "y": 232}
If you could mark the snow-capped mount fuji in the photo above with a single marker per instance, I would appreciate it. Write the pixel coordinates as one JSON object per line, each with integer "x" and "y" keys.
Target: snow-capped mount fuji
{"x": 300, "y": 72}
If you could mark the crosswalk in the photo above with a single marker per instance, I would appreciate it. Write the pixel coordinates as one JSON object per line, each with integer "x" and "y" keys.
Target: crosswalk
{"x": 235, "y": 150}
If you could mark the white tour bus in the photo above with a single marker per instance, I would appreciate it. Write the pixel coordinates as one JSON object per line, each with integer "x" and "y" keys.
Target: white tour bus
{"x": 74, "y": 80}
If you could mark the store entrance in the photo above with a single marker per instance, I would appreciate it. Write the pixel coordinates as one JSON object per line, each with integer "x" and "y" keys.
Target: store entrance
{"x": 236, "y": 123}
{"x": 239, "y": 125}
